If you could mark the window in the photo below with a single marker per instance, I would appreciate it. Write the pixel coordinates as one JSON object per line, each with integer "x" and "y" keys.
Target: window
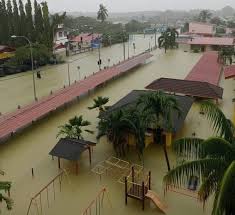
{"x": 60, "y": 34}
{"x": 65, "y": 34}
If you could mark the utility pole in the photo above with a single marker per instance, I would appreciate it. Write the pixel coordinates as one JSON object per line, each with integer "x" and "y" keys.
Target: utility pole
{"x": 31, "y": 56}
{"x": 128, "y": 46}
{"x": 155, "y": 36}
{"x": 99, "y": 62}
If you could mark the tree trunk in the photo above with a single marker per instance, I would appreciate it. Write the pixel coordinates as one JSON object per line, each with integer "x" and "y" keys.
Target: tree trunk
{"x": 166, "y": 157}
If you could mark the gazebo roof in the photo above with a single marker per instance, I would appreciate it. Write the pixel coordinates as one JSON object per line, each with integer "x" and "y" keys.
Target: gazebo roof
{"x": 70, "y": 149}
{"x": 184, "y": 102}
{"x": 187, "y": 87}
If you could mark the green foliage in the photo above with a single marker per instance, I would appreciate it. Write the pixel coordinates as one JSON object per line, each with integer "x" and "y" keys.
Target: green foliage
{"x": 204, "y": 16}
{"x": 74, "y": 128}
{"x": 102, "y": 13}
{"x": 40, "y": 54}
{"x": 221, "y": 125}
{"x": 160, "y": 106}
{"x": 99, "y": 103}
{"x": 5, "y": 186}
{"x": 168, "y": 39}
{"x": 119, "y": 123}
{"x": 21, "y": 21}
{"x": 135, "y": 27}
{"x": 212, "y": 160}
{"x": 225, "y": 54}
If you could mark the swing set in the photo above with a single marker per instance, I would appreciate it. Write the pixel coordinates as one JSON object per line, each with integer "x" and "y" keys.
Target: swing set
{"x": 96, "y": 205}
{"x": 37, "y": 201}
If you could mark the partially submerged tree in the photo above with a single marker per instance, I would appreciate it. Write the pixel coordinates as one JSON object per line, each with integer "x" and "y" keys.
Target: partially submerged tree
{"x": 99, "y": 103}
{"x": 212, "y": 160}
{"x": 102, "y": 13}
{"x": 168, "y": 39}
{"x": 160, "y": 107}
{"x": 5, "y": 186}
{"x": 119, "y": 123}
{"x": 74, "y": 128}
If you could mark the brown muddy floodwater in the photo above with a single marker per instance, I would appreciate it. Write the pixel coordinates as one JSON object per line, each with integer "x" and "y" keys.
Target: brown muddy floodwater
{"x": 30, "y": 149}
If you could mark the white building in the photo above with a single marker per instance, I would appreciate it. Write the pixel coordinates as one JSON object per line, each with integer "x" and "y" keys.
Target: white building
{"x": 60, "y": 35}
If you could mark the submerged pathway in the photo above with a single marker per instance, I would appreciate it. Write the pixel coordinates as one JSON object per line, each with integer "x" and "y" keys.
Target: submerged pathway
{"x": 24, "y": 117}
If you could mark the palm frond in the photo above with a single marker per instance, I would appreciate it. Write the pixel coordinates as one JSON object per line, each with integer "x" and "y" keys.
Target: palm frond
{"x": 209, "y": 185}
{"x": 220, "y": 123}
{"x": 180, "y": 175}
{"x": 218, "y": 147}
{"x": 225, "y": 199}
{"x": 189, "y": 148}
{"x": 9, "y": 201}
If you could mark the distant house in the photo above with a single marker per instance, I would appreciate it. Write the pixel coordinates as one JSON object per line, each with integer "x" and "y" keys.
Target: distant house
{"x": 206, "y": 43}
{"x": 84, "y": 40}
{"x": 60, "y": 34}
{"x": 201, "y": 29}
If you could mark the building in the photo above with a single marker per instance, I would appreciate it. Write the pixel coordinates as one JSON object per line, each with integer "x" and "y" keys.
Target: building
{"x": 60, "y": 35}
{"x": 201, "y": 29}
{"x": 84, "y": 41}
{"x": 205, "y": 43}
{"x": 210, "y": 43}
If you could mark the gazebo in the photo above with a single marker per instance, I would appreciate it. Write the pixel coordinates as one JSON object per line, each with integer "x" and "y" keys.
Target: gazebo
{"x": 71, "y": 149}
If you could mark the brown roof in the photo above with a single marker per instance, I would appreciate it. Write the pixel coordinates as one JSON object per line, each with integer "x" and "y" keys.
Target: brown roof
{"x": 187, "y": 87}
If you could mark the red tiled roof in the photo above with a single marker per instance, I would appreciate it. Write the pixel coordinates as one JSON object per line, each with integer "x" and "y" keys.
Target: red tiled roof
{"x": 24, "y": 117}
{"x": 220, "y": 41}
{"x": 201, "y": 28}
{"x": 207, "y": 69}
{"x": 86, "y": 37}
{"x": 186, "y": 87}
{"x": 229, "y": 72}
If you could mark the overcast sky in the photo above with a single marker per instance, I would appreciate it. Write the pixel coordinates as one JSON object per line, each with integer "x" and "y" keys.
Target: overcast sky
{"x": 135, "y": 5}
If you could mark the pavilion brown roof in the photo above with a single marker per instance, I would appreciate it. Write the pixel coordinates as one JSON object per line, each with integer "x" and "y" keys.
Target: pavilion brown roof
{"x": 187, "y": 87}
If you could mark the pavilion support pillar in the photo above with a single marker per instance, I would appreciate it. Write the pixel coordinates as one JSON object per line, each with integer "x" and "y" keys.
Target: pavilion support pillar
{"x": 59, "y": 163}
{"x": 168, "y": 139}
{"x": 89, "y": 150}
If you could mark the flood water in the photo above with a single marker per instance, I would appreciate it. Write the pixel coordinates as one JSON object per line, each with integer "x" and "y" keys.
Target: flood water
{"x": 30, "y": 149}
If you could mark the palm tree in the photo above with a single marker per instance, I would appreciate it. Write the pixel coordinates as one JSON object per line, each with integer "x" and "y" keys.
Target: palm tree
{"x": 120, "y": 122}
{"x": 212, "y": 160}
{"x": 168, "y": 39}
{"x": 74, "y": 128}
{"x": 5, "y": 186}
{"x": 204, "y": 15}
{"x": 226, "y": 53}
{"x": 160, "y": 106}
{"x": 99, "y": 103}
{"x": 102, "y": 13}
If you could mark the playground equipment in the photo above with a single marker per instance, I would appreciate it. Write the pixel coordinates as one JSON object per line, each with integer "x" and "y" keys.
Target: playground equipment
{"x": 37, "y": 199}
{"x": 117, "y": 168}
{"x": 96, "y": 204}
{"x": 140, "y": 190}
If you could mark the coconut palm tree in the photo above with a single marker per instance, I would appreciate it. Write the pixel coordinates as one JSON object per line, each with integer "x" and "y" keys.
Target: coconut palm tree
{"x": 213, "y": 160}
{"x": 74, "y": 128}
{"x": 204, "y": 15}
{"x": 5, "y": 186}
{"x": 160, "y": 106}
{"x": 168, "y": 39}
{"x": 102, "y": 13}
{"x": 99, "y": 103}
{"x": 120, "y": 122}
